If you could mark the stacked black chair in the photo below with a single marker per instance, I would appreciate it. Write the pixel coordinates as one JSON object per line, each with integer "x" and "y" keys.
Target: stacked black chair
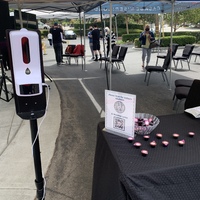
{"x": 160, "y": 69}
{"x": 187, "y": 51}
{"x": 182, "y": 87}
{"x": 180, "y": 94}
{"x": 193, "y": 98}
{"x": 183, "y": 82}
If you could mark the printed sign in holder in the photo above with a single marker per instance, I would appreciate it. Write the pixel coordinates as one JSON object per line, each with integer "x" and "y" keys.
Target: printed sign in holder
{"x": 27, "y": 72}
{"x": 120, "y": 113}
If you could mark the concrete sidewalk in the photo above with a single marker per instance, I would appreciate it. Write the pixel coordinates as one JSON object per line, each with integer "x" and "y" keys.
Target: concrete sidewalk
{"x": 17, "y": 173}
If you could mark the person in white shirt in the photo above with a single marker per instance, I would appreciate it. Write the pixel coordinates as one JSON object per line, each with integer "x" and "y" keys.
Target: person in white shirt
{"x": 49, "y": 36}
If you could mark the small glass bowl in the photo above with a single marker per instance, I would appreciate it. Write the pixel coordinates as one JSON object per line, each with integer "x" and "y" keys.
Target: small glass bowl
{"x": 145, "y": 123}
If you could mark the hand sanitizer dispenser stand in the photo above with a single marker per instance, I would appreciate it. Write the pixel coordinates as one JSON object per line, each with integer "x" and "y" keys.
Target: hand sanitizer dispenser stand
{"x": 28, "y": 85}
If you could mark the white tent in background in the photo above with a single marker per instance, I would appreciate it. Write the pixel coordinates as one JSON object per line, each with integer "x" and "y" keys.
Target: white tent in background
{"x": 46, "y": 14}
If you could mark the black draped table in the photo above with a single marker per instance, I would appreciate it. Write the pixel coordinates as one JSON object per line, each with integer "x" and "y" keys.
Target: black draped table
{"x": 173, "y": 172}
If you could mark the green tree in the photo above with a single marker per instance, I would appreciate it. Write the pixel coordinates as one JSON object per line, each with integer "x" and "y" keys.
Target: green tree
{"x": 184, "y": 17}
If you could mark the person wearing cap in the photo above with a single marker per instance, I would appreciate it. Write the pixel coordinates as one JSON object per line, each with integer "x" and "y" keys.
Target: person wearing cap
{"x": 91, "y": 41}
{"x": 57, "y": 42}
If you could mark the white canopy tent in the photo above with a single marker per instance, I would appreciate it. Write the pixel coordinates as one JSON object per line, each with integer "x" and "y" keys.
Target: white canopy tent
{"x": 44, "y": 14}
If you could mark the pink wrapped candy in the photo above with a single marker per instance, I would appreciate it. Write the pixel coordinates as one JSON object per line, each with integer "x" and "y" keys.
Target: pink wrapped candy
{"x": 181, "y": 142}
{"x": 153, "y": 144}
{"x": 144, "y": 152}
{"x": 137, "y": 145}
{"x": 191, "y": 134}
{"x": 165, "y": 143}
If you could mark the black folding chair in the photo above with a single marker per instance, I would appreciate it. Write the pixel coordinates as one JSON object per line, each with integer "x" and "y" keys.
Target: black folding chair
{"x": 174, "y": 50}
{"x": 187, "y": 51}
{"x": 120, "y": 59}
{"x": 180, "y": 94}
{"x": 195, "y": 54}
{"x": 160, "y": 69}
{"x": 115, "y": 51}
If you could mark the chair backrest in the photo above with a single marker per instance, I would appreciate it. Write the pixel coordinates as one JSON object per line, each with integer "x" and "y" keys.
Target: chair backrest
{"x": 187, "y": 50}
{"x": 174, "y": 49}
{"x": 70, "y": 48}
{"x": 193, "y": 98}
{"x": 167, "y": 60}
{"x": 79, "y": 50}
{"x": 115, "y": 51}
{"x": 122, "y": 53}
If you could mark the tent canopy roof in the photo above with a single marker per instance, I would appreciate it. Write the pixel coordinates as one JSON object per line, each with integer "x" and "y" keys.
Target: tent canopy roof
{"x": 91, "y": 7}
{"x": 55, "y": 5}
{"x": 145, "y": 7}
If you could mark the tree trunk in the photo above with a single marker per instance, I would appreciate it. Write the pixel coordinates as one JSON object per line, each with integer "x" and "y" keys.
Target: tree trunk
{"x": 127, "y": 19}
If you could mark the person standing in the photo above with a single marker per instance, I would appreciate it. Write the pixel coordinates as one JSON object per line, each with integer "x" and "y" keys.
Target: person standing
{"x": 57, "y": 42}
{"x": 4, "y": 53}
{"x": 96, "y": 42}
{"x": 61, "y": 35}
{"x": 113, "y": 39}
{"x": 91, "y": 41}
{"x": 146, "y": 37}
{"x": 49, "y": 36}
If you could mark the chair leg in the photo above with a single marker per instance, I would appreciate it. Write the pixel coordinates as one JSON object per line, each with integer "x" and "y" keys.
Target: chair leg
{"x": 105, "y": 64}
{"x": 195, "y": 59}
{"x": 145, "y": 76}
{"x": 100, "y": 64}
{"x": 173, "y": 96}
{"x": 188, "y": 65}
{"x": 117, "y": 65}
{"x": 163, "y": 76}
{"x": 181, "y": 64}
{"x": 175, "y": 103}
{"x": 148, "y": 79}
{"x": 166, "y": 78}
{"x": 112, "y": 65}
{"x": 123, "y": 66}
{"x": 178, "y": 104}
{"x": 176, "y": 65}
{"x": 156, "y": 61}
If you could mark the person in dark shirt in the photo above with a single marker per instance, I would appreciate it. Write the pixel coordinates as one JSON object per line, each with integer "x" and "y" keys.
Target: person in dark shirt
{"x": 57, "y": 42}
{"x": 4, "y": 53}
{"x": 96, "y": 42}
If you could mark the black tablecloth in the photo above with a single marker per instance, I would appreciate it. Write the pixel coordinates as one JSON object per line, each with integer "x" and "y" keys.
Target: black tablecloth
{"x": 173, "y": 172}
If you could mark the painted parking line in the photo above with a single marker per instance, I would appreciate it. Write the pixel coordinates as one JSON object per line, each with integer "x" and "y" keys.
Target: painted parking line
{"x": 97, "y": 106}
{"x": 95, "y": 103}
